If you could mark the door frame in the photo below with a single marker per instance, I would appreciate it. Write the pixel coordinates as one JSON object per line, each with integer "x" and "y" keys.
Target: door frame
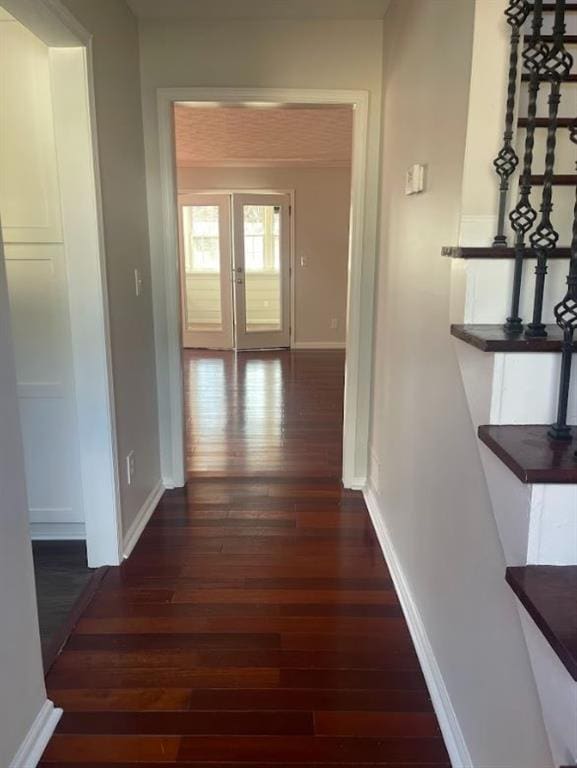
{"x": 360, "y": 292}
{"x": 72, "y": 82}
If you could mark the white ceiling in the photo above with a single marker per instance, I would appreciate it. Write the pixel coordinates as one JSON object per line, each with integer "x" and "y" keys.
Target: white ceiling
{"x": 259, "y": 9}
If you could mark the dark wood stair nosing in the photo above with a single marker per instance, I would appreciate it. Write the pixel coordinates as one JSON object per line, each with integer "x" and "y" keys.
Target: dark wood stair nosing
{"x": 492, "y": 338}
{"x": 536, "y": 587}
{"x": 468, "y": 252}
{"x": 530, "y": 454}
{"x": 543, "y": 122}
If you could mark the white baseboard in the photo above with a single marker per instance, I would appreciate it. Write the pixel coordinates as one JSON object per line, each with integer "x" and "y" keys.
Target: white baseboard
{"x": 318, "y": 345}
{"x": 139, "y": 523}
{"x": 355, "y": 483}
{"x": 446, "y": 715}
{"x": 57, "y": 531}
{"x": 31, "y": 749}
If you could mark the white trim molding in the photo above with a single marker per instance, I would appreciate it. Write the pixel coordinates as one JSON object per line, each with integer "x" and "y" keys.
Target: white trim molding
{"x": 319, "y": 345}
{"x": 57, "y": 531}
{"x": 143, "y": 516}
{"x": 361, "y": 267}
{"x": 446, "y": 715}
{"x": 37, "y": 738}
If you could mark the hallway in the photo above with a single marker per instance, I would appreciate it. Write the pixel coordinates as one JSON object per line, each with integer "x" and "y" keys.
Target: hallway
{"x": 255, "y": 623}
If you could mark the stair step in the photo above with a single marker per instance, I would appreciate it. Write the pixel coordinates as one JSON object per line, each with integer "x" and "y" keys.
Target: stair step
{"x": 492, "y": 338}
{"x": 558, "y": 180}
{"x": 458, "y": 252}
{"x": 550, "y": 7}
{"x": 543, "y": 122}
{"x": 530, "y": 454}
{"x": 549, "y": 594}
{"x": 568, "y": 79}
{"x": 568, "y": 39}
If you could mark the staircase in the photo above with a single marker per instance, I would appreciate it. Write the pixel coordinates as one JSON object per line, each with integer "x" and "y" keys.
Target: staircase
{"x": 514, "y": 317}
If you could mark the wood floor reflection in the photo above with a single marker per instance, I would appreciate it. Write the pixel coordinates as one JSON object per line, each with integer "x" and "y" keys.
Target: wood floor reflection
{"x": 277, "y": 413}
{"x": 255, "y": 623}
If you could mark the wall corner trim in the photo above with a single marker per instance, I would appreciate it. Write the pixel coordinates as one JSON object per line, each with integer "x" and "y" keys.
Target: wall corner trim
{"x": 143, "y": 516}
{"x": 446, "y": 715}
{"x": 37, "y": 738}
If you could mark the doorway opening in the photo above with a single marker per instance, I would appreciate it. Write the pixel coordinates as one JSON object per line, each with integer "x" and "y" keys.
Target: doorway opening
{"x": 51, "y": 246}
{"x": 264, "y": 204}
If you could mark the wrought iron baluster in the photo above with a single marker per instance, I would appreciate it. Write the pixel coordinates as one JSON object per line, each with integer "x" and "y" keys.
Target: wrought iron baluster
{"x": 523, "y": 215}
{"x": 507, "y": 160}
{"x": 545, "y": 237}
{"x": 566, "y": 316}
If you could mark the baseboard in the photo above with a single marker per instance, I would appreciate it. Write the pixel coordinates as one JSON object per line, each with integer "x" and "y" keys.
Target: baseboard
{"x": 318, "y": 345}
{"x": 31, "y": 749}
{"x": 57, "y": 531}
{"x": 355, "y": 483}
{"x": 139, "y": 523}
{"x": 446, "y": 715}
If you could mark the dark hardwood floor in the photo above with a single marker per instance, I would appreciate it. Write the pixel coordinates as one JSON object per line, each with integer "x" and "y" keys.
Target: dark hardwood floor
{"x": 255, "y": 623}
{"x": 61, "y": 575}
{"x": 265, "y": 414}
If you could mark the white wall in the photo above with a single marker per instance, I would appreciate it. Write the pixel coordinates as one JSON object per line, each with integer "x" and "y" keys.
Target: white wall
{"x": 120, "y": 144}
{"x": 22, "y": 692}
{"x": 425, "y": 464}
{"x": 38, "y": 285}
{"x": 321, "y": 216}
{"x": 269, "y": 54}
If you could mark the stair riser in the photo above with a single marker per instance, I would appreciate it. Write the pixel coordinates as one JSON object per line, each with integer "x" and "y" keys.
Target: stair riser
{"x": 482, "y": 290}
{"x": 557, "y": 691}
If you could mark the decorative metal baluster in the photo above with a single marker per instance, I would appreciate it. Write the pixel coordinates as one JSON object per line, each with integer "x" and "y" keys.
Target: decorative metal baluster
{"x": 523, "y": 216}
{"x": 507, "y": 161}
{"x": 545, "y": 237}
{"x": 566, "y": 316}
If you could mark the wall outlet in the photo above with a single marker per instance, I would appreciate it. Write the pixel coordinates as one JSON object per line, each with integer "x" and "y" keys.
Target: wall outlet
{"x": 130, "y": 468}
{"x": 334, "y": 323}
{"x": 137, "y": 282}
{"x": 304, "y": 261}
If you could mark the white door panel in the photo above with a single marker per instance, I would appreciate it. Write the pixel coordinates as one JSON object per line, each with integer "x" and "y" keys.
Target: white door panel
{"x": 261, "y": 270}
{"x": 29, "y": 198}
{"x": 37, "y": 282}
{"x": 205, "y": 270}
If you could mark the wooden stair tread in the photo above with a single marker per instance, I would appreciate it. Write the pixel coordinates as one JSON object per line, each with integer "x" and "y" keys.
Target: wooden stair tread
{"x": 558, "y": 180}
{"x": 530, "y": 454}
{"x": 549, "y": 594}
{"x": 568, "y": 39}
{"x": 459, "y": 252}
{"x": 543, "y": 122}
{"x": 568, "y": 79}
{"x": 550, "y": 7}
{"x": 492, "y": 338}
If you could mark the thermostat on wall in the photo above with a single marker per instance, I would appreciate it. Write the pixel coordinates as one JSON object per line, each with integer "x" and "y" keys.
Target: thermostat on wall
{"x": 415, "y": 181}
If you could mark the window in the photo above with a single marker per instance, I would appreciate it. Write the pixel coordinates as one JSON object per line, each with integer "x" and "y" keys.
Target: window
{"x": 201, "y": 234}
{"x": 262, "y": 238}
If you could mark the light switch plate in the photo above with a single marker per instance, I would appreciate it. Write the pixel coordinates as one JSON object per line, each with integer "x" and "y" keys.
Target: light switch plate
{"x": 415, "y": 180}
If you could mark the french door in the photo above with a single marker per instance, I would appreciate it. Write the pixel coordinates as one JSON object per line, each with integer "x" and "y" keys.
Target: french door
{"x": 235, "y": 270}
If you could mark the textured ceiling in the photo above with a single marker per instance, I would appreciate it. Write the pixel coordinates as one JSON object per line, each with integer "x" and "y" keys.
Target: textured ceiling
{"x": 259, "y": 9}
{"x": 273, "y": 136}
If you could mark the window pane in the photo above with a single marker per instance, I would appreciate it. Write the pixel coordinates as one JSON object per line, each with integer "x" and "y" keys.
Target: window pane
{"x": 262, "y": 267}
{"x": 201, "y": 240}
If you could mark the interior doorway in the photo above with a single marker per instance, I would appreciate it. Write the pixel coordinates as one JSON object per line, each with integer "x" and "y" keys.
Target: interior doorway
{"x": 235, "y": 270}
{"x": 51, "y": 245}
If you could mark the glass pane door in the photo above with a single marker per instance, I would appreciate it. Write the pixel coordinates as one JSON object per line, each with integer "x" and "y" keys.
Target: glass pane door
{"x": 261, "y": 227}
{"x": 206, "y": 271}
